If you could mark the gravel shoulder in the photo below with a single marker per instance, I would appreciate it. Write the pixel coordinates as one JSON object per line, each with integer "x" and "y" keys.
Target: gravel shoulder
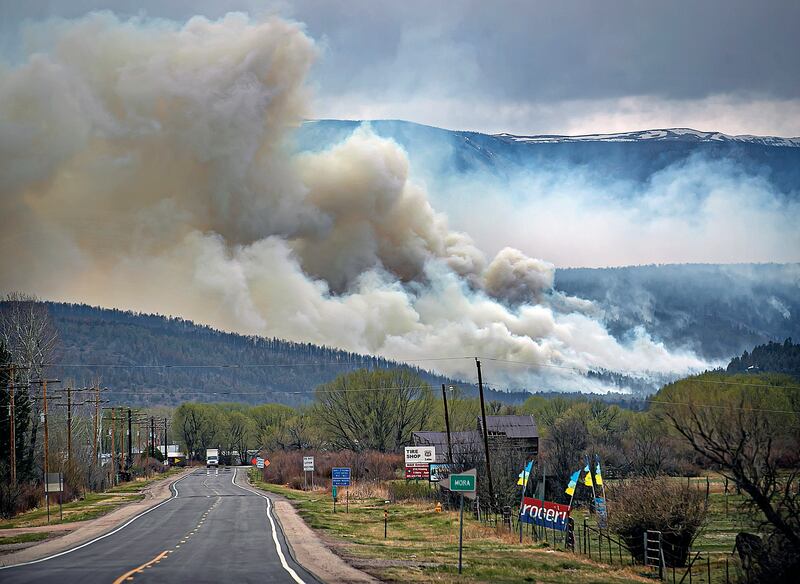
{"x": 308, "y": 549}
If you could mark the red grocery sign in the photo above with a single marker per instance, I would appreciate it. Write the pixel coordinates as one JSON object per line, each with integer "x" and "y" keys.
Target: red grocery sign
{"x": 544, "y": 513}
{"x": 420, "y": 471}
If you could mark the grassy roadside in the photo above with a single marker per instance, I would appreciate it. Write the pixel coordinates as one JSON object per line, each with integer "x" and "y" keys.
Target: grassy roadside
{"x": 24, "y": 538}
{"x": 422, "y": 545}
{"x": 93, "y": 505}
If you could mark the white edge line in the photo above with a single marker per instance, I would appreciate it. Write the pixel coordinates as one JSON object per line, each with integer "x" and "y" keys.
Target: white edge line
{"x": 285, "y": 565}
{"x": 105, "y": 535}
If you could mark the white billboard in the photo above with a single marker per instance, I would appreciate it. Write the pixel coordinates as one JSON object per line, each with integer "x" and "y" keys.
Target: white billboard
{"x": 419, "y": 455}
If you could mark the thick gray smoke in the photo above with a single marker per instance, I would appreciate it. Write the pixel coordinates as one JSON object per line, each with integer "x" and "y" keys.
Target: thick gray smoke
{"x": 145, "y": 165}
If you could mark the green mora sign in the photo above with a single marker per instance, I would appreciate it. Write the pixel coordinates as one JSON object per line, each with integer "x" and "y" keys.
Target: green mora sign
{"x": 462, "y": 482}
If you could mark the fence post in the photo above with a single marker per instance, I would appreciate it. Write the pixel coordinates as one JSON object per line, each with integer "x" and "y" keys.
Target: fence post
{"x": 610, "y": 553}
{"x": 645, "y": 550}
{"x": 708, "y": 567}
{"x": 600, "y": 544}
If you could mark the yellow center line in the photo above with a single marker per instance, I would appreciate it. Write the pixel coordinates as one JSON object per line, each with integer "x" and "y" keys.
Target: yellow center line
{"x": 125, "y": 576}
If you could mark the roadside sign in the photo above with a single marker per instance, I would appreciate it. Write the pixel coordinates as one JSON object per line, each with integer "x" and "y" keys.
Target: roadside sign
{"x": 260, "y": 462}
{"x": 462, "y": 483}
{"x": 335, "y": 491}
{"x": 308, "y": 463}
{"x": 465, "y": 484}
{"x": 417, "y": 460}
{"x": 420, "y": 455}
{"x": 253, "y": 461}
{"x": 266, "y": 462}
{"x": 439, "y": 471}
{"x": 340, "y": 477}
{"x": 54, "y": 483}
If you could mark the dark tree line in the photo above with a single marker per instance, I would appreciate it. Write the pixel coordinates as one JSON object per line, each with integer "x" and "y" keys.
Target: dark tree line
{"x": 274, "y": 370}
{"x": 772, "y": 357}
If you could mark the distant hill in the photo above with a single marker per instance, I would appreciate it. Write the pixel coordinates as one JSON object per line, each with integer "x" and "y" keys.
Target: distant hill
{"x": 717, "y": 311}
{"x": 770, "y": 358}
{"x": 155, "y": 360}
{"x": 633, "y": 156}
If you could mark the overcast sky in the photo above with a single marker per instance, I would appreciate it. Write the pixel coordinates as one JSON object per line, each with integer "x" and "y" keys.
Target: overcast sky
{"x": 525, "y": 67}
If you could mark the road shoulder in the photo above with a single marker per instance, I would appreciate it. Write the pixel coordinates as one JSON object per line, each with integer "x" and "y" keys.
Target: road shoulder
{"x": 84, "y": 531}
{"x": 308, "y": 549}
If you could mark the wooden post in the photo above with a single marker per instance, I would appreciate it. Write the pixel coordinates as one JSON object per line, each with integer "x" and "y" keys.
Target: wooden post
{"x": 69, "y": 424}
{"x": 12, "y": 426}
{"x": 485, "y": 436}
{"x": 46, "y": 449}
{"x": 447, "y": 426}
{"x": 96, "y": 419}
{"x": 113, "y": 447}
{"x": 461, "y": 532}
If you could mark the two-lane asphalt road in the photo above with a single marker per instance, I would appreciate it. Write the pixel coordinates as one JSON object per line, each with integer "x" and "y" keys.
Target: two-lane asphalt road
{"x": 212, "y": 530}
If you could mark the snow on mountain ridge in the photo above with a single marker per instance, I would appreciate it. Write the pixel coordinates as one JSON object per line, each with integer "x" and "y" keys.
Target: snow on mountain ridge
{"x": 665, "y": 134}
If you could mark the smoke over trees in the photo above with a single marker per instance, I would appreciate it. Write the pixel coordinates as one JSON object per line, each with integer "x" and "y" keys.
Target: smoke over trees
{"x": 162, "y": 179}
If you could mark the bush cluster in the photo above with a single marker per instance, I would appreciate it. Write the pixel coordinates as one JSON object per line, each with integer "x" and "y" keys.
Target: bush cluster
{"x": 658, "y": 504}
{"x": 286, "y": 466}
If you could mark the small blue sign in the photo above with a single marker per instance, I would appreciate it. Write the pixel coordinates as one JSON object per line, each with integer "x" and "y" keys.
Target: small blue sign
{"x": 340, "y": 477}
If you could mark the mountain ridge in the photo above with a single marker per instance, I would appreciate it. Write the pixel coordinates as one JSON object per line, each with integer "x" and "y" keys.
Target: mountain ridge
{"x": 658, "y": 134}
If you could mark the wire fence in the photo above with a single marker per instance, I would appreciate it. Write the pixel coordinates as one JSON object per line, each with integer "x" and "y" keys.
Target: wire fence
{"x": 602, "y": 545}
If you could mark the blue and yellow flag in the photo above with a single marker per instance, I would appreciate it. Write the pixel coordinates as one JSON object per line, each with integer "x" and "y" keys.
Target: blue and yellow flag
{"x": 598, "y": 477}
{"x": 587, "y": 480}
{"x": 573, "y": 482}
{"x": 526, "y": 472}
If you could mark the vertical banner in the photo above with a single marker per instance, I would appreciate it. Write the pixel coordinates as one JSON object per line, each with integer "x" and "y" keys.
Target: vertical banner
{"x": 602, "y": 512}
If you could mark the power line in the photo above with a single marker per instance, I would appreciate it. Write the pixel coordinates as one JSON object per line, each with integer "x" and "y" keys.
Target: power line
{"x": 724, "y": 407}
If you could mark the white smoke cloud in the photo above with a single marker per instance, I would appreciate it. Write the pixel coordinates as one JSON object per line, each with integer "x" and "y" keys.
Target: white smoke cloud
{"x": 518, "y": 278}
{"x": 144, "y": 166}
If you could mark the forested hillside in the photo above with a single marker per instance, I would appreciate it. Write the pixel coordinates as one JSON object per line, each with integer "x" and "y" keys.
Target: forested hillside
{"x": 717, "y": 311}
{"x": 771, "y": 358}
{"x": 150, "y": 360}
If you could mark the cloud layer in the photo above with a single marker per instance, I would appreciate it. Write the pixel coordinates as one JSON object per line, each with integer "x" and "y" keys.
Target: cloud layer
{"x": 525, "y": 67}
{"x": 144, "y": 165}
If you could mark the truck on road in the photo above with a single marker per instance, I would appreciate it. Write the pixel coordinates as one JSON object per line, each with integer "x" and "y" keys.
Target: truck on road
{"x": 212, "y": 457}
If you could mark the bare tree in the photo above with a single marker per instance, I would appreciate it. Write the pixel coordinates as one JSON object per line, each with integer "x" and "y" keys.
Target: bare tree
{"x": 564, "y": 448}
{"x": 28, "y": 333}
{"x": 745, "y": 444}
{"x": 375, "y": 410}
{"x": 756, "y": 447}
{"x": 648, "y": 446}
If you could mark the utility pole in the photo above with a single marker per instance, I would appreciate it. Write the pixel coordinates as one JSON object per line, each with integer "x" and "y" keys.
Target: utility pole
{"x": 12, "y": 425}
{"x": 165, "y": 440}
{"x": 129, "y": 461}
{"x": 96, "y": 418}
{"x": 485, "y": 434}
{"x": 46, "y": 449}
{"x": 152, "y": 436}
{"x": 113, "y": 447}
{"x": 69, "y": 424}
{"x": 447, "y": 425}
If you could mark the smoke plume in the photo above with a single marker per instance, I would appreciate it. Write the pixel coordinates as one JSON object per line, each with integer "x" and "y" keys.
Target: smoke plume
{"x": 148, "y": 166}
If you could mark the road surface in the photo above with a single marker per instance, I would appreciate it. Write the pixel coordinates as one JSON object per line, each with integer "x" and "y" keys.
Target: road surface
{"x": 211, "y": 530}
